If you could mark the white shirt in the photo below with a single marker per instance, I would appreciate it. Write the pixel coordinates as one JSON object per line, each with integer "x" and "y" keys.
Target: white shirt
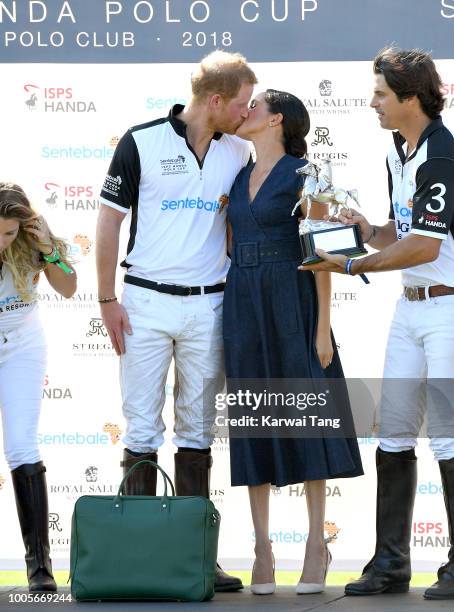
{"x": 13, "y": 311}
{"x": 422, "y": 199}
{"x": 178, "y": 229}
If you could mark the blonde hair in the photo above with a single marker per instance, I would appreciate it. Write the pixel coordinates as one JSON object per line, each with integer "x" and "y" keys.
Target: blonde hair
{"x": 22, "y": 256}
{"x": 221, "y": 73}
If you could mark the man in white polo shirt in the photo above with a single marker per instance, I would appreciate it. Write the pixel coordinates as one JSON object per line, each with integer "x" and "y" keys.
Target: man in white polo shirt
{"x": 418, "y": 239}
{"x": 171, "y": 175}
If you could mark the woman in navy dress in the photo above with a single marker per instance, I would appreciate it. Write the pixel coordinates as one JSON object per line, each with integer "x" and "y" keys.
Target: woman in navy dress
{"x": 276, "y": 326}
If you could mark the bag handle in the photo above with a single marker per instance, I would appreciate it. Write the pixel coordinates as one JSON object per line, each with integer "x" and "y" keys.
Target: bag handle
{"x": 165, "y": 476}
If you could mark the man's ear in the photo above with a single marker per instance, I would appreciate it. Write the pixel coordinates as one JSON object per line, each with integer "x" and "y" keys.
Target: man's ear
{"x": 215, "y": 101}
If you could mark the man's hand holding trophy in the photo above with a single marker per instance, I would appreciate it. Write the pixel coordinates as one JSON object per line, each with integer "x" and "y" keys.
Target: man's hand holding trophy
{"x": 322, "y": 235}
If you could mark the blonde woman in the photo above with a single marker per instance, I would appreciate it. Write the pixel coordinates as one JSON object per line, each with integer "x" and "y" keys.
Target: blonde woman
{"x": 27, "y": 248}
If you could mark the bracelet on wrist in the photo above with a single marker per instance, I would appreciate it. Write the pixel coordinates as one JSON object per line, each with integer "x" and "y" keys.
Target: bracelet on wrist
{"x": 348, "y": 267}
{"x": 107, "y": 300}
{"x": 54, "y": 258}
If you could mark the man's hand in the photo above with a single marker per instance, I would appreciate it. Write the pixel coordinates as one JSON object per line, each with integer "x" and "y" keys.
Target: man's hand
{"x": 116, "y": 321}
{"x": 330, "y": 263}
{"x": 349, "y": 216}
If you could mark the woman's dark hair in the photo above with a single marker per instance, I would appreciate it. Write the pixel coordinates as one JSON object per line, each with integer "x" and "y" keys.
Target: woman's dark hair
{"x": 295, "y": 122}
{"x": 412, "y": 73}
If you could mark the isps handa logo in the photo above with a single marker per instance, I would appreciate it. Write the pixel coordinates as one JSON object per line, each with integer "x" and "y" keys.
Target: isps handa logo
{"x": 51, "y": 392}
{"x": 55, "y": 100}
{"x": 447, "y": 90}
{"x": 430, "y": 534}
{"x": 73, "y": 198}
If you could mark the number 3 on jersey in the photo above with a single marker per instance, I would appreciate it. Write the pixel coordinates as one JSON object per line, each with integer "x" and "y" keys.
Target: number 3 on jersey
{"x": 438, "y": 197}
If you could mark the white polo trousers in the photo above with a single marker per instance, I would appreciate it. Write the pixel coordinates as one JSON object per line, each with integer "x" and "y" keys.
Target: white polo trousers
{"x": 420, "y": 346}
{"x": 22, "y": 371}
{"x": 165, "y": 326}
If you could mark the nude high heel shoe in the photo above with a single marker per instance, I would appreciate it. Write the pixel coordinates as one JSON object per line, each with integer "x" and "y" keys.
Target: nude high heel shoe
{"x": 306, "y": 588}
{"x": 264, "y": 588}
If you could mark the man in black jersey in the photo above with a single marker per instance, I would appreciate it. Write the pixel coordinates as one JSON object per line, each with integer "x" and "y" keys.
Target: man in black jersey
{"x": 418, "y": 239}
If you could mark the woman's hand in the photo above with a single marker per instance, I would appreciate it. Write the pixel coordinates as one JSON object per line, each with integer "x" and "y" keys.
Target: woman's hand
{"x": 324, "y": 348}
{"x": 39, "y": 232}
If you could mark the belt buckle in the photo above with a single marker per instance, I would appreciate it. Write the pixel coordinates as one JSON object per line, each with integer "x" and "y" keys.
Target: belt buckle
{"x": 189, "y": 290}
{"x": 412, "y": 294}
{"x": 248, "y": 254}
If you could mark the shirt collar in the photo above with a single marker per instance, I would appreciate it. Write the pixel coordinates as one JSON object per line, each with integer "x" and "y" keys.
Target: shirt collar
{"x": 399, "y": 140}
{"x": 180, "y": 126}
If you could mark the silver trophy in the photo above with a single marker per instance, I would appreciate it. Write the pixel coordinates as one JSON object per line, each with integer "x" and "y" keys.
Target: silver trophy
{"x": 318, "y": 233}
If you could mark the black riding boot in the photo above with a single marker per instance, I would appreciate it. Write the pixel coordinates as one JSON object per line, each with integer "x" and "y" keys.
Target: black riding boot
{"x": 30, "y": 490}
{"x": 192, "y": 477}
{"x": 143, "y": 480}
{"x": 444, "y": 587}
{"x": 389, "y": 570}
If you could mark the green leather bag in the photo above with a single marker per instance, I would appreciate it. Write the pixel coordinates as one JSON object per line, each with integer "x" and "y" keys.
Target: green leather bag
{"x": 143, "y": 547}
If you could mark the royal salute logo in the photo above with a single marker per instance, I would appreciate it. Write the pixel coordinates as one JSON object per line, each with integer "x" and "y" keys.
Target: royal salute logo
{"x": 2, "y": 482}
{"x": 114, "y": 432}
{"x": 339, "y": 298}
{"x": 91, "y": 473}
{"x": 83, "y": 299}
{"x": 73, "y": 198}
{"x": 325, "y": 87}
{"x": 114, "y": 141}
{"x": 55, "y": 100}
{"x": 88, "y": 484}
{"x": 330, "y": 102}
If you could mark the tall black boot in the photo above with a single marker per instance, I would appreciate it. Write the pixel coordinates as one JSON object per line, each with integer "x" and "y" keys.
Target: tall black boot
{"x": 444, "y": 587}
{"x": 192, "y": 477}
{"x": 389, "y": 570}
{"x": 143, "y": 480}
{"x": 30, "y": 490}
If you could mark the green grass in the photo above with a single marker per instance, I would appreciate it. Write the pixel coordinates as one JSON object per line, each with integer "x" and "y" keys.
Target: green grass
{"x": 9, "y": 578}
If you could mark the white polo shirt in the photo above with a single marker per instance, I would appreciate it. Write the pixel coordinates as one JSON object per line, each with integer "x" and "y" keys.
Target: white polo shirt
{"x": 178, "y": 229}
{"x": 13, "y": 311}
{"x": 421, "y": 189}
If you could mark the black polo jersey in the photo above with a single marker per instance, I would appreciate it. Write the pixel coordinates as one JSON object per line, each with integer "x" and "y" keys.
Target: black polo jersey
{"x": 421, "y": 189}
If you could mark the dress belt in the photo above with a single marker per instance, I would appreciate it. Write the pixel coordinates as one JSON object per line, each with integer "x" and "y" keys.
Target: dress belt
{"x": 417, "y": 294}
{"x": 246, "y": 254}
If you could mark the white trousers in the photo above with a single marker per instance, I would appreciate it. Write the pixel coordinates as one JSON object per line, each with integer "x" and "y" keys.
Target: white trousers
{"x": 420, "y": 348}
{"x": 22, "y": 371}
{"x": 189, "y": 329}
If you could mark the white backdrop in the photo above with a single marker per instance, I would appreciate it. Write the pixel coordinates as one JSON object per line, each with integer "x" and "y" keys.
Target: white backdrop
{"x": 59, "y": 130}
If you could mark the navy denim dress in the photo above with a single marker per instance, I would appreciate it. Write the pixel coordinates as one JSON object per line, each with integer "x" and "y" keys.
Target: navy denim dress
{"x": 270, "y": 318}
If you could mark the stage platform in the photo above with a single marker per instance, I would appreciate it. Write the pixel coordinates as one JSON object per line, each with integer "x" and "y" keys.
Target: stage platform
{"x": 332, "y": 600}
